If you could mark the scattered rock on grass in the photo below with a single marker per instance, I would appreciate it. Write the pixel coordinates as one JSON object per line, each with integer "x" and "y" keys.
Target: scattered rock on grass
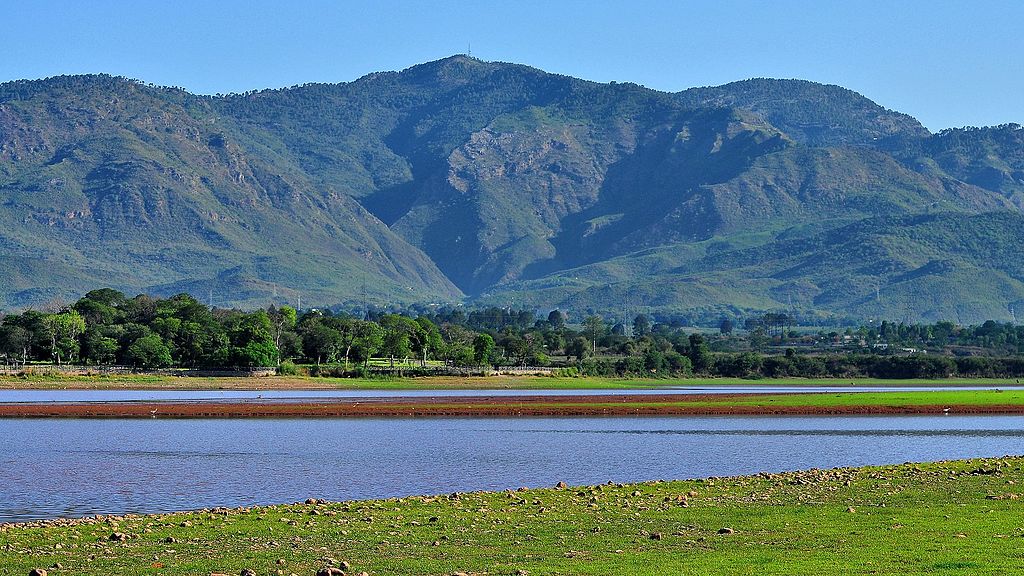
{"x": 726, "y": 531}
{"x": 37, "y": 572}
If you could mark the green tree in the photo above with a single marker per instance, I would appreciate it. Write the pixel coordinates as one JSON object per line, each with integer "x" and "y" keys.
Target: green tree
{"x": 458, "y": 346}
{"x": 483, "y": 349}
{"x": 98, "y": 348}
{"x": 282, "y": 321}
{"x": 15, "y": 342}
{"x": 725, "y": 326}
{"x": 149, "y": 352}
{"x": 322, "y": 343}
{"x": 594, "y": 328}
{"x": 428, "y": 342}
{"x": 577, "y": 348}
{"x": 369, "y": 340}
{"x": 252, "y": 341}
{"x": 641, "y": 326}
{"x": 399, "y": 334}
{"x": 64, "y": 329}
{"x": 256, "y": 353}
{"x": 556, "y": 319}
{"x": 699, "y": 353}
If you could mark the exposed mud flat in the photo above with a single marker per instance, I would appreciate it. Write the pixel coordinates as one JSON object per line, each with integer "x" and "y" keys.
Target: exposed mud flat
{"x": 482, "y": 406}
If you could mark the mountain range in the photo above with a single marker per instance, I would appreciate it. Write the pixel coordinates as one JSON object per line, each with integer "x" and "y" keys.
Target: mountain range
{"x": 462, "y": 180}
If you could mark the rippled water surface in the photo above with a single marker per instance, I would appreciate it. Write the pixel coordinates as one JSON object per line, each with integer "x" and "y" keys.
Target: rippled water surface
{"x": 51, "y": 468}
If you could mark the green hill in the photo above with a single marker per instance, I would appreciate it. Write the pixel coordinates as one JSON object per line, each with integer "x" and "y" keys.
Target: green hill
{"x": 464, "y": 180}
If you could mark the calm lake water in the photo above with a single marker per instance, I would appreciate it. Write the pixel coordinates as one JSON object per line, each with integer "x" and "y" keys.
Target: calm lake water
{"x": 11, "y": 396}
{"x": 55, "y": 468}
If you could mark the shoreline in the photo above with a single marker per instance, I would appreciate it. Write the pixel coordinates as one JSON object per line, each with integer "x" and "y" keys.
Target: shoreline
{"x": 541, "y": 406}
{"x": 914, "y": 518}
{"x": 311, "y": 383}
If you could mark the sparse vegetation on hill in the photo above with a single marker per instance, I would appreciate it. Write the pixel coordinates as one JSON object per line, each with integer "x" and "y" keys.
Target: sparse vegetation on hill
{"x": 499, "y": 183}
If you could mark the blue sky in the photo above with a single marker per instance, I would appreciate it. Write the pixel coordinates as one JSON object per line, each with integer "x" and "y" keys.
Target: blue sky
{"x": 946, "y": 63}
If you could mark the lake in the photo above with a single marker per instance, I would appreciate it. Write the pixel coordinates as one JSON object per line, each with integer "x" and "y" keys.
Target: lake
{"x": 68, "y": 468}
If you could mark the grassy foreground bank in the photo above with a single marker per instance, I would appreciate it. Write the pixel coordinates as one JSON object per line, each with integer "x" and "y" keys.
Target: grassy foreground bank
{"x": 961, "y": 517}
{"x": 157, "y": 382}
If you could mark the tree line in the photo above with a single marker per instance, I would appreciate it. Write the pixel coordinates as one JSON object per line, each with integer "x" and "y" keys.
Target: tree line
{"x": 105, "y": 327}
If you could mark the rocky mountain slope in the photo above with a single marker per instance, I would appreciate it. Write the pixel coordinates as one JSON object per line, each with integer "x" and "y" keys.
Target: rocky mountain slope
{"x": 465, "y": 180}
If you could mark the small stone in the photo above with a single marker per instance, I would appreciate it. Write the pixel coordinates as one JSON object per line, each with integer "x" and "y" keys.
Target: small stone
{"x": 522, "y": 573}
{"x": 726, "y": 531}
{"x": 345, "y": 565}
{"x": 312, "y": 501}
{"x": 37, "y": 572}
{"x": 851, "y": 509}
{"x": 330, "y": 571}
{"x": 170, "y": 540}
{"x": 247, "y": 572}
{"x": 117, "y": 537}
{"x": 655, "y": 536}
{"x": 561, "y": 485}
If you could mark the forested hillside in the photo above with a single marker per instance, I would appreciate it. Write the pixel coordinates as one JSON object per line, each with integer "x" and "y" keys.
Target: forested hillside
{"x": 464, "y": 180}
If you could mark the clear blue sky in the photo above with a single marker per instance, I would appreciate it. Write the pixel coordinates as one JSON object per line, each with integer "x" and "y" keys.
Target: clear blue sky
{"x": 947, "y": 63}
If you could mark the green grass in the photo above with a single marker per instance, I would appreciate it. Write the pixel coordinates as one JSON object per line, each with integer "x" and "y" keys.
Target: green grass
{"x": 814, "y": 402}
{"x": 98, "y": 381}
{"x": 915, "y": 398}
{"x": 861, "y": 399}
{"x": 958, "y": 517}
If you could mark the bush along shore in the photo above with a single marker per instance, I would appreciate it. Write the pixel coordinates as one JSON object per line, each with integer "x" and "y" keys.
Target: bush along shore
{"x": 956, "y": 517}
